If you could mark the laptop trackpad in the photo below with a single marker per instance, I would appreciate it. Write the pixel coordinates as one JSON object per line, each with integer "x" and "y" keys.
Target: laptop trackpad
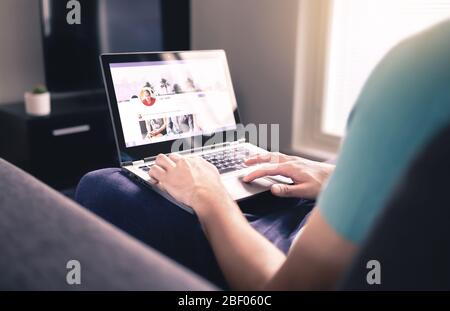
{"x": 239, "y": 190}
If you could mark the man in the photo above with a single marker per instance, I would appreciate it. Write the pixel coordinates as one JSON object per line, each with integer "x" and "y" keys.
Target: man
{"x": 403, "y": 105}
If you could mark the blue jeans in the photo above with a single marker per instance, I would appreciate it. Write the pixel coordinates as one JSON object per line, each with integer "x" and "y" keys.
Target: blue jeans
{"x": 150, "y": 218}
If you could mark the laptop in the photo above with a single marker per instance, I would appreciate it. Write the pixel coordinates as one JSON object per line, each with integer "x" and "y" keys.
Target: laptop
{"x": 180, "y": 102}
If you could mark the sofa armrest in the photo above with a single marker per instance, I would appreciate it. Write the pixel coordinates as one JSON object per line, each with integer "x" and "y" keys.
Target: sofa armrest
{"x": 41, "y": 230}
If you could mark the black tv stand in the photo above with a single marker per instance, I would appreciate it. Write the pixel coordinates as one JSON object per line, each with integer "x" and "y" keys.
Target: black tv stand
{"x": 60, "y": 148}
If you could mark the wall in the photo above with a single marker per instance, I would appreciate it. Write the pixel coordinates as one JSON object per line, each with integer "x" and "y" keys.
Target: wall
{"x": 259, "y": 37}
{"x": 21, "y": 59}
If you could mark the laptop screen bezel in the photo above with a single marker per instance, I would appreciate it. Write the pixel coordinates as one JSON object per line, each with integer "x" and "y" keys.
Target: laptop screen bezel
{"x": 136, "y": 153}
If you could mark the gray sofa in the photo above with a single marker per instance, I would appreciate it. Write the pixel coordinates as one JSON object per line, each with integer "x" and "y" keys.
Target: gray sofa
{"x": 41, "y": 231}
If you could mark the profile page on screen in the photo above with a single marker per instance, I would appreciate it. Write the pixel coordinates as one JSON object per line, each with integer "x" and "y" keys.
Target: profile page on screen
{"x": 168, "y": 100}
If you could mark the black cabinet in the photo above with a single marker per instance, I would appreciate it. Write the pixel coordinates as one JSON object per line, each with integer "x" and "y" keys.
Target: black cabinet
{"x": 60, "y": 148}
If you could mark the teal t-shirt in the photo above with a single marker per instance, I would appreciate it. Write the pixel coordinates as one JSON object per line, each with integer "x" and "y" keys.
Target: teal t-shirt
{"x": 404, "y": 104}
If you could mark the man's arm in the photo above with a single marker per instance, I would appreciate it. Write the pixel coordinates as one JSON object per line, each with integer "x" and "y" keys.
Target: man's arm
{"x": 247, "y": 259}
{"x": 250, "y": 262}
{"x": 316, "y": 260}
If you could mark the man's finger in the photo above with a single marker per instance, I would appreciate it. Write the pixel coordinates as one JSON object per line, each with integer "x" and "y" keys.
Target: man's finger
{"x": 258, "y": 158}
{"x": 175, "y": 157}
{"x": 156, "y": 173}
{"x": 271, "y": 170}
{"x": 283, "y": 190}
{"x": 292, "y": 191}
{"x": 163, "y": 161}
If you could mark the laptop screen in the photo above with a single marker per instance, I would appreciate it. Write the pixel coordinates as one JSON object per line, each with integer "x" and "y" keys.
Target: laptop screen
{"x": 166, "y": 100}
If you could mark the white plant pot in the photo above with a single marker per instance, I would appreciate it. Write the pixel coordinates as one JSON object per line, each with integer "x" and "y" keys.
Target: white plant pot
{"x": 37, "y": 104}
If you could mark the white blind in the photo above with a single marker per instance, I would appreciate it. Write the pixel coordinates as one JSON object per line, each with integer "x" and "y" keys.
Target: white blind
{"x": 362, "y": 32}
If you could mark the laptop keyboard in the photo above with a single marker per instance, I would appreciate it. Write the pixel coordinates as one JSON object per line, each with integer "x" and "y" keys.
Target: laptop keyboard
{"x": 226, "y": 160}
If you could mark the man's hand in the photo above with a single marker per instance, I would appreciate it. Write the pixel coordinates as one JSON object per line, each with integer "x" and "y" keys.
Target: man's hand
{"x": 308, "y": 176}
{"x": 190, "y": 180}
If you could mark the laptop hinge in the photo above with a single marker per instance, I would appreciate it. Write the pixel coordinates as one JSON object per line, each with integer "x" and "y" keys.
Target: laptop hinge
{"x": 126, "y": 163}
{"x": 149, "y": 159}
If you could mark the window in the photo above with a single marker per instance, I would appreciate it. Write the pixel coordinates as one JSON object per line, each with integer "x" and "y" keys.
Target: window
{"x": 354, "y": 36}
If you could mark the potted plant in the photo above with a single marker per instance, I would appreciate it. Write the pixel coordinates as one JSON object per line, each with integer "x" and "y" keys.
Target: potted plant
{"x": 37, "y": 102}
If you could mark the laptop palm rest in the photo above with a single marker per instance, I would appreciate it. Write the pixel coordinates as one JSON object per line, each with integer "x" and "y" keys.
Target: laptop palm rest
{"x": 240, "y": 190}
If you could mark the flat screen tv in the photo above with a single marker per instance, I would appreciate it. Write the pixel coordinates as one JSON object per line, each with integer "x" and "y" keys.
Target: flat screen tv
{"x": 71, "y": 51}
